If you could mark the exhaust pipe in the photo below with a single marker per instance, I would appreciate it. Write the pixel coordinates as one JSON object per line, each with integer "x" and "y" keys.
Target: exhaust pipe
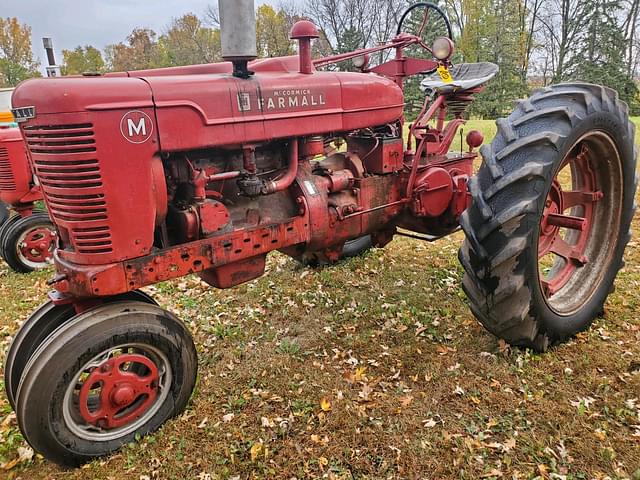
{"x": 53, "y": 70}
{"x": 238, "y": 34}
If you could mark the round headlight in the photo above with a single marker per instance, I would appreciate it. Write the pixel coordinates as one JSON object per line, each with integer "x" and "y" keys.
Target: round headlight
{"x": 443, "y": 48}
{"x": 361, "y": 61}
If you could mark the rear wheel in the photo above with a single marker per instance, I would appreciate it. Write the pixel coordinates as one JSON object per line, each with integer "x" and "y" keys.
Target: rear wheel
{"x": 104, "y": 378}
{"x": 35, "y": 330}
{"x": 28, "y": 243}
{"x": 552, "y": 208}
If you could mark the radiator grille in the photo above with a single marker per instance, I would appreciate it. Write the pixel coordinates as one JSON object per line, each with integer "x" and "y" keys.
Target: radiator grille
{"x": 7, "y": 181}
{"x": 66, "y": 164}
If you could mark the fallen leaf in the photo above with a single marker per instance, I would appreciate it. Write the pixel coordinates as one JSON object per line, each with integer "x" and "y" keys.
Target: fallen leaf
{"x": 228, "y": 417}
{"x": 256, "y": 451}
{"x": 406, "y": 400}
{"x": 429, "y": 423}
{"x": 493, "y": 473}
{"x": 365, "y": 393}
{"x": 325, "y": 405}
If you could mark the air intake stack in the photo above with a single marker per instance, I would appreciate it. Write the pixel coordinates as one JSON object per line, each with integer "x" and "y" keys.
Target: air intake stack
{"x": 238, "y": 34}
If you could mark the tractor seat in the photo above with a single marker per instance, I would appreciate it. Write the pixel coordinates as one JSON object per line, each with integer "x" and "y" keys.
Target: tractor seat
{"x": 465, "y": 76}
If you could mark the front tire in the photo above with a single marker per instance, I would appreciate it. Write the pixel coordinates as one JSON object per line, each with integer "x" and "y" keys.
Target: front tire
{"x": 103, "y": 379}
{"x": 37, "y": 328}
{"x": 28, "y": 242}
{"x": 552, "y": 208}
{"x": 4, "y": 213}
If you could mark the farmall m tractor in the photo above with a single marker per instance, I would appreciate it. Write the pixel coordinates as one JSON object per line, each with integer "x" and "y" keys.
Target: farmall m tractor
{"x": 27, "y": 239}
{"x": 153, "y": 175}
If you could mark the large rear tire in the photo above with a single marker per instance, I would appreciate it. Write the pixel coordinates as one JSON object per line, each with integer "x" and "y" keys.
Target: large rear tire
{"x": 551, "y": 214}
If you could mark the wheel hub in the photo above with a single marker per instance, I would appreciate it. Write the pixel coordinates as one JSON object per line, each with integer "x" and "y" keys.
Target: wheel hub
{"x": 553, "y": 206}
{"x": 123, "y": 395}
{"x": 118, "y": 391}
{"x": 37, "y": 245}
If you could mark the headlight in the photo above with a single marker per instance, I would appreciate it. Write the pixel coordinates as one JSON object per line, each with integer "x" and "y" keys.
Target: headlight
{"x": 443, "y": 48}
{"x": 361, "y": 62}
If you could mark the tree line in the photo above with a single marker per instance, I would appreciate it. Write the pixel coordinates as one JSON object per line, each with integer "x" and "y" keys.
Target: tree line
{"x": 534, "y": 42}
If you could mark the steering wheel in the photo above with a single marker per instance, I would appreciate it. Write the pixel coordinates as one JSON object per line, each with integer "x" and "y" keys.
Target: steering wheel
{"x": 426, "y": 21}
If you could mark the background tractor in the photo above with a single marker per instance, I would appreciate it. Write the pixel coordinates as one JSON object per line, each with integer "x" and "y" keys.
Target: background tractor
{"x": 153, "y": 175}
{"x": 28, "y": 237}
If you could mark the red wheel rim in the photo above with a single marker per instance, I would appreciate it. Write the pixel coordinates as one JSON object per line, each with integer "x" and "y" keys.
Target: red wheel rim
{"x": 124, "y": 394}
{"x": 117, "y": 392}
{"x": 581, "y": 217}
{"x": 36, "y": 246}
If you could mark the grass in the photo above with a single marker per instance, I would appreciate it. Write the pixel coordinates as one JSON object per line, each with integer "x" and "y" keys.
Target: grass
{"x": 373, "y": 369}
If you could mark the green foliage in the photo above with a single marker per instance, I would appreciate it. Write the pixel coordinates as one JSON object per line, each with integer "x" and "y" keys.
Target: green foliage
{"x": 189, "y": 42}
{"x": 81, "y": 60}
{"x": 272, "y": 31}
{"x": 16, "y": 57}
{"x": 603, "y": 58}
{"x": 139, "y": 52}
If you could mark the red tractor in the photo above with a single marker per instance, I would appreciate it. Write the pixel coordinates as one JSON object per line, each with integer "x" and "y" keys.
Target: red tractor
{"x": 26, "y": 239}
{"x": 153, "y": 175}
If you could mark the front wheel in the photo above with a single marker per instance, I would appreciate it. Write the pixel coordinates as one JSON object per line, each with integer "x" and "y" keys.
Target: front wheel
{"x": 27, "y": 243}
{"x": 35, "y": 330}
{"x": 4, "y": 213}
{"x": 104, "y": 378}
{"x": 552, "y": 208}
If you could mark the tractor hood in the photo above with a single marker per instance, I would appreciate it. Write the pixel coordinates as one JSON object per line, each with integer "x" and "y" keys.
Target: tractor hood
{"x": 203, "y": 110}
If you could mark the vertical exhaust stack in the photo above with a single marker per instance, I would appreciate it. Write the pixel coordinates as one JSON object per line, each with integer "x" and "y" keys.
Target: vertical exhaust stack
{"x": 52, "y": 70}
{"x": 238, "y": 34}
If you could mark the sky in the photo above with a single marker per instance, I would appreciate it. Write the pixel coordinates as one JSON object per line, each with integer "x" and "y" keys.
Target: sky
{"x": 97, "y": 22}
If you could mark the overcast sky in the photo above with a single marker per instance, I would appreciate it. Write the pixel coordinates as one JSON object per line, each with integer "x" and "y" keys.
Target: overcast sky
{"x": 97, "y": 22}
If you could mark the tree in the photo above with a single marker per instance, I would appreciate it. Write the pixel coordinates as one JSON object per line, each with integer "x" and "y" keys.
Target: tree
{"x": 495, "y": 31}
{"x": 603, "y": 60}
{"x": 140, "y": 52}
{"x": 189, "y": 42}
{"x": 563, "y": 24}
{"x": 81, "y": 60}
{"x": 272, "y": 31}
{"x": 344, "y": 22}
{"x": 16, "y": 55}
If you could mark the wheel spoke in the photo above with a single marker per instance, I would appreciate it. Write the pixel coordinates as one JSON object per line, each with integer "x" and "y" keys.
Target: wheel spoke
{"x": 574, "y": 198}
{"x": 561, "y": 248}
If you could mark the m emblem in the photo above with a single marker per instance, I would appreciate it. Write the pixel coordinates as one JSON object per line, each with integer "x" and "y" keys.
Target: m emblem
{"x": 136, "y": 127}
